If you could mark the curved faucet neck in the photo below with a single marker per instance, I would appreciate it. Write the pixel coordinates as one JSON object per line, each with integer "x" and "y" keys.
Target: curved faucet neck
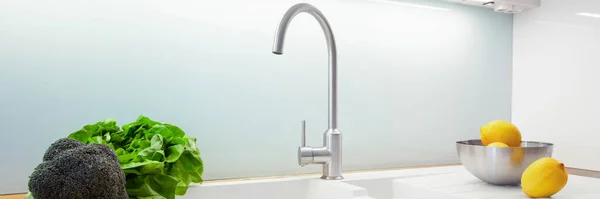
{"x": 278, "y": 49}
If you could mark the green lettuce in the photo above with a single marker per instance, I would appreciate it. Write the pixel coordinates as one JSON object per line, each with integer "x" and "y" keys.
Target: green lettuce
{"x": 158, "y": 159}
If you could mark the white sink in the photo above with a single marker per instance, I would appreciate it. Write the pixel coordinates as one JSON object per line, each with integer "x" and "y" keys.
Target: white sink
{"x": 380, "y": 184}
{"x": 452, "y": 182}
{"x": 287, "y": 188}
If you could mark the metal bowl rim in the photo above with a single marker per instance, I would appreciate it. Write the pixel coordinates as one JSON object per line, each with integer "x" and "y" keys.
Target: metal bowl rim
{"x": 542, "y": 144}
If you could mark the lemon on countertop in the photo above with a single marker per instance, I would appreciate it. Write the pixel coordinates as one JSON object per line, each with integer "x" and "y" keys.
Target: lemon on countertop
{"x": 500, "y": 131}
{"x": 497, "y": 144}
{"x": 544, "y": 178}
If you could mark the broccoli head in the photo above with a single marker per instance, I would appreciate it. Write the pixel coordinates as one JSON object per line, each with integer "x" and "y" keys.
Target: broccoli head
{"x": 73, "y": 170}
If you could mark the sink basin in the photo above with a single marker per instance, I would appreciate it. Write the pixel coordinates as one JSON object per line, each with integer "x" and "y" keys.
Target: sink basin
{"x": 381, "y": 184}
{"x": 288, "y": 188}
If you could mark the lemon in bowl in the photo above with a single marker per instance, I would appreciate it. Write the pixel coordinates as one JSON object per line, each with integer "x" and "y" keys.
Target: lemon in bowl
{"x": 497, "y": 144}
{"x": 500, "y": 131}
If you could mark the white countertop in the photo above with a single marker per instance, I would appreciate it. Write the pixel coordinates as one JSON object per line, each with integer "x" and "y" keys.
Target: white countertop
{"x": 460, "y": 184}
{"x": 448, "y": 182}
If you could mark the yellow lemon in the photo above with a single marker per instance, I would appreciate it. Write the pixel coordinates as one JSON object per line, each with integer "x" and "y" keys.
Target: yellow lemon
{"x": 500, "y": 131}
{"x": 544, "y": 178}
{"x": 497, "y": 144}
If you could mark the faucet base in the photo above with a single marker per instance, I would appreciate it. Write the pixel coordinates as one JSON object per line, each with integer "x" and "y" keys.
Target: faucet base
{"x": 332, "y": 177}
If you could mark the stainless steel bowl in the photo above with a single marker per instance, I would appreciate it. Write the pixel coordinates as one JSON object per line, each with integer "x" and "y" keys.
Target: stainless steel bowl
{"x": 500, "y": 166}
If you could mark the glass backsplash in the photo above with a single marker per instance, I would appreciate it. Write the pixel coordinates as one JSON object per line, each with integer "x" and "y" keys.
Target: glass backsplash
{"x": 414, "y": 77}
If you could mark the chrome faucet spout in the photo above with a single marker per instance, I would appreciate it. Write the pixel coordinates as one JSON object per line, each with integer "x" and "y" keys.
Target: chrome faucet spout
{"x": 330, "y": 155}
{"x": 331, "y": 48}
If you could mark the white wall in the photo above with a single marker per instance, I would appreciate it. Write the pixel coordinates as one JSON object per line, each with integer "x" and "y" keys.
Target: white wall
{"x": 412, "y": 80}
{"x": 556, "y": 89}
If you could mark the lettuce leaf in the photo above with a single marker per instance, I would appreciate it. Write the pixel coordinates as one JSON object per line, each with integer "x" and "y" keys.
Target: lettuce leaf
{"x": 159, "y": 160}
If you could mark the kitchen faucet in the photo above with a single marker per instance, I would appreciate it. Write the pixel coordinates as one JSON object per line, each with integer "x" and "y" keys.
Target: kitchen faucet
{"x": 330, "y": 155}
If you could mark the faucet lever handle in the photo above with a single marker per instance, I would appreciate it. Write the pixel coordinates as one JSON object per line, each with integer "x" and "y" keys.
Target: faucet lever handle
{"x": 303, "y": 134}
